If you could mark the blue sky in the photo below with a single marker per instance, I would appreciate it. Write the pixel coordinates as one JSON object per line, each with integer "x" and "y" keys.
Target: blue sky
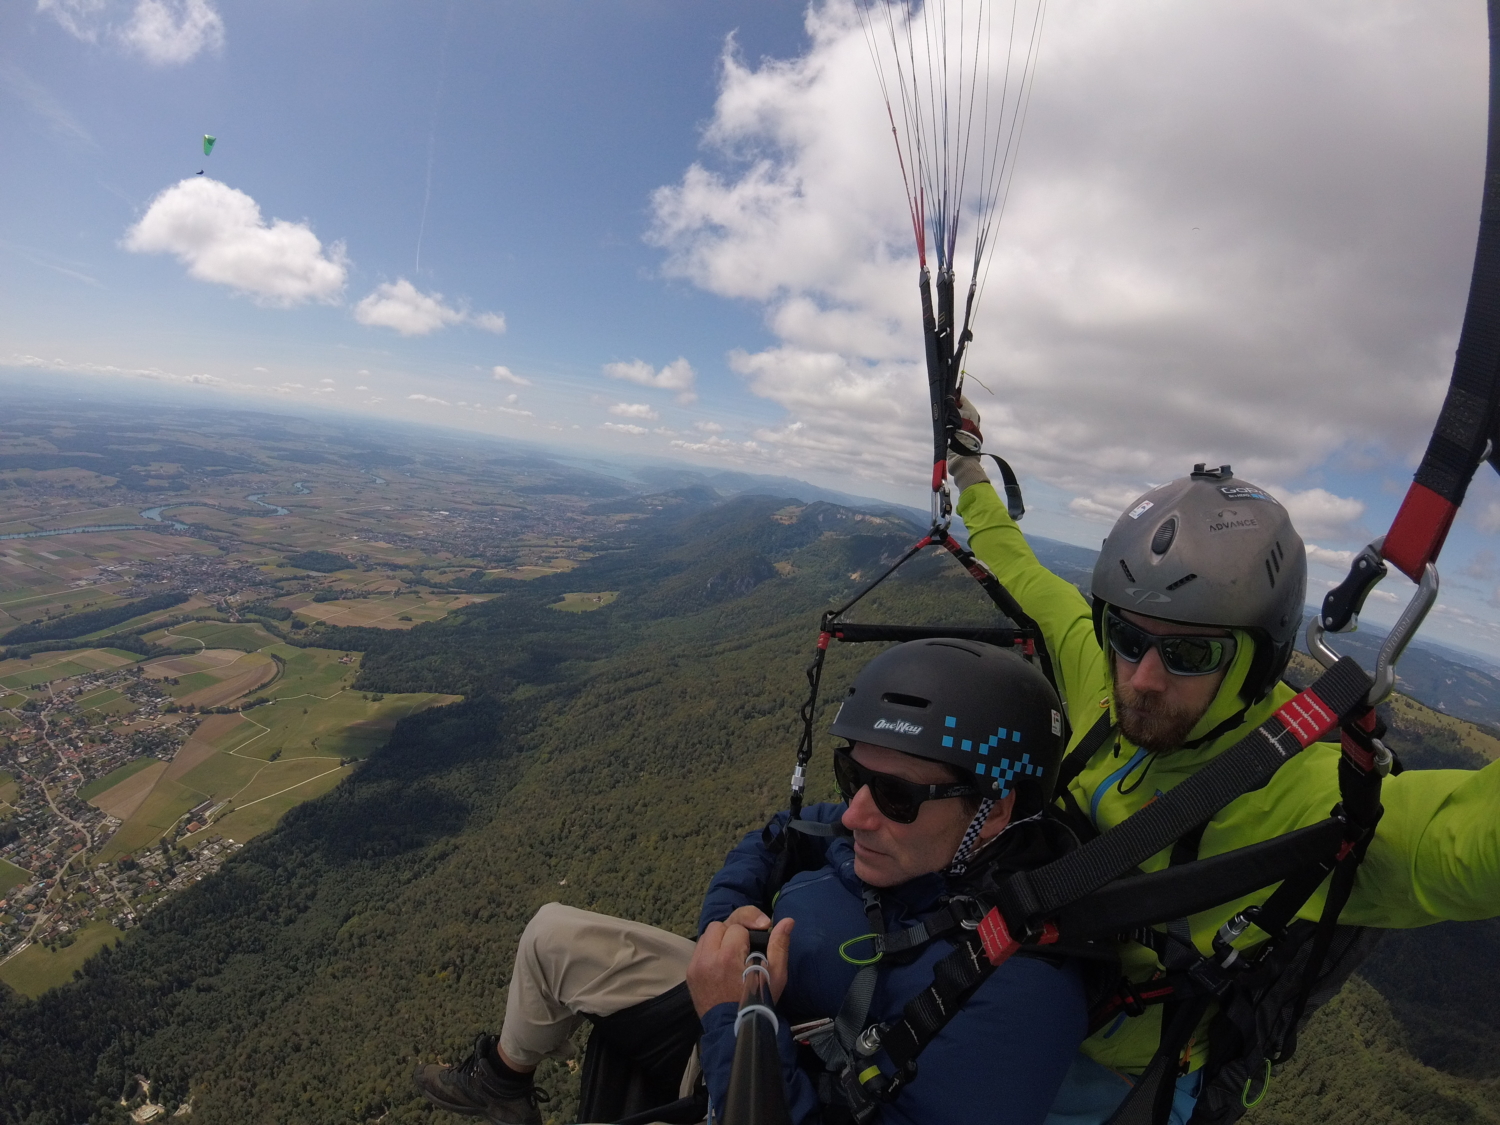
{"x": 1238, "y": 232}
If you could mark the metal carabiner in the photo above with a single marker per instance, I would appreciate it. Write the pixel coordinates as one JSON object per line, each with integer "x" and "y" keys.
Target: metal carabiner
{"x": 1340, "y": 614}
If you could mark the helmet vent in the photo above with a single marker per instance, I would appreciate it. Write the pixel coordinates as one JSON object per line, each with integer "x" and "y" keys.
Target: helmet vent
{"x": 1162, "y": 540}
{"x": 906, "y": 700}
{"x": 1271, "y": 574}
{"x": 1128, "y": 576}
{"x": 1183, "y": 581}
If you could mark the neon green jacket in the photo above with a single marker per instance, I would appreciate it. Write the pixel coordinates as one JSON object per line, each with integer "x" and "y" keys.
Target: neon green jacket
{"x": 1436, "y": 853}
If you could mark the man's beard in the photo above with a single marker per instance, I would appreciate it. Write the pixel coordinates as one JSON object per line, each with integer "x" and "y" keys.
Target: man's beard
{"x": 1147, "y": 720}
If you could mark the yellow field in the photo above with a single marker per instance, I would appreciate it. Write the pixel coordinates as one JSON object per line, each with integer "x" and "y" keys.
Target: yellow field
{"x": 396, "y": 611}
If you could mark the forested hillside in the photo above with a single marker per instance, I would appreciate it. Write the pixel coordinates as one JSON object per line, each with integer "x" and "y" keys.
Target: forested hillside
{"x": 606, "y": 759}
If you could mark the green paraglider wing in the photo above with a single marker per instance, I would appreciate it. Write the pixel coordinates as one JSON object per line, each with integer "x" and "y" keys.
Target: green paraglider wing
{"x": 208, "y": 144}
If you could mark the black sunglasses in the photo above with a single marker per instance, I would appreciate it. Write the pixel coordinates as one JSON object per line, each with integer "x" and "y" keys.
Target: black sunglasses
{"x": 1182, "y": 655}
{"x": 896, "y": 798}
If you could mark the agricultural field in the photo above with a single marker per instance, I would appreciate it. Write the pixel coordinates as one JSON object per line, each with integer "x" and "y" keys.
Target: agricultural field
{"x": 11, "y": 875}
{"x": 36, "y": 968}
{"x": 115, "y": 777}
{"x": 390, "y": 611}
{"x": 48, "y": 667}
{"x": 267, "y": 758}
{"x": 585, "y": 602}
{"x": 212, "y": 677}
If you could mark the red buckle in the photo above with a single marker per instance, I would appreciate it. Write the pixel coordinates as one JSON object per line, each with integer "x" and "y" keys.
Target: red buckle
{"x": 1307, "y": 717}
{"x": 999, "y": 946}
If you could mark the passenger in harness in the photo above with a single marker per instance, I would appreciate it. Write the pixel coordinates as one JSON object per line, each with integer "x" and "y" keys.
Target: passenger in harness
{"x": 884, "y": 983}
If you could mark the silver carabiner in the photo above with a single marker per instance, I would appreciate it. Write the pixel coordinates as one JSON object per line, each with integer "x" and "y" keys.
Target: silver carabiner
{"x": 1401, "y": 633}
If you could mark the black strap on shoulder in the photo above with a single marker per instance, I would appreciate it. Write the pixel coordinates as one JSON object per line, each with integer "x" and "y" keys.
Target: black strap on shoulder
{"x": 1029, "y": 898}
{"x": 1080, "y": 756}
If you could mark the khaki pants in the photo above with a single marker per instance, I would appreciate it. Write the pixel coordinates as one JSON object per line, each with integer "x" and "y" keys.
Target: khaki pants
{"x": 571, "y": 963}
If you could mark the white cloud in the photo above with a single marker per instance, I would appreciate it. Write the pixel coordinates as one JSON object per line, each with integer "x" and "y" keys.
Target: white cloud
{"x": 624, "y": 428}
{"x": 154, "y": 374}
{"x": 160, "y": 31}
{"x": 633, "y": 410}
{"x": 361, "y": 388}
{"x": 330, "y": 381}
{"x": 173, "y": 31}
{"x": 739, "y": 452}
{"x": 708, "y": 427}
{"x": 429, "y": 398}
{"x": 1313, "y": 310}
{"x": 1318, "y": 512}
{"x": 676, "y": 376}
{"x": 506, "y": 375}
{"x": 1339, "y": 560}
{"x": 401, "y": 305}
{"x": 218, "y": 233}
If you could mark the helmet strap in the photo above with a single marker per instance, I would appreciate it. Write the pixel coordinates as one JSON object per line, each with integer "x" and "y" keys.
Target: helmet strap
{"x": 966, "y": 849}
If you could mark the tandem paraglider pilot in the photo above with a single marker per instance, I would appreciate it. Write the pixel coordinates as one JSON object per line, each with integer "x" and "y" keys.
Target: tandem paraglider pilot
{"x": 947, "y": 775}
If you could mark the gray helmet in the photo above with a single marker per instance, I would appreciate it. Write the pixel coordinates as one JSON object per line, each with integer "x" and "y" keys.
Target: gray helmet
{"x": 971, "y": 705}
{"x": 1209, "y": 549}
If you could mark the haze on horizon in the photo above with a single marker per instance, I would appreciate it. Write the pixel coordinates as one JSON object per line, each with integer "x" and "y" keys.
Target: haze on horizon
{"x": 1238, "y": 233}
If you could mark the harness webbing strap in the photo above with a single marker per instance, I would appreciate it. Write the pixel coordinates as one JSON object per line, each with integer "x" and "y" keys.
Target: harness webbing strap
{"x": 1031, "y": 897}
{"x": 1187, "y": 888}
{"x": 1467, "y": 421}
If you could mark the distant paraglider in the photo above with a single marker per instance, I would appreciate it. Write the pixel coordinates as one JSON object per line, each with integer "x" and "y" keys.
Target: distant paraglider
{"x": 208, "y": 147}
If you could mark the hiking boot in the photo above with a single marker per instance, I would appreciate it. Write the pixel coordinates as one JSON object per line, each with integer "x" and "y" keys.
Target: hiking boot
{"x": 477, "y": 1088}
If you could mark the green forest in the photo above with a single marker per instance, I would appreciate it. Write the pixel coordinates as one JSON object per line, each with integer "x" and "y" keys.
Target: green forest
{"x": 608, "y": 760}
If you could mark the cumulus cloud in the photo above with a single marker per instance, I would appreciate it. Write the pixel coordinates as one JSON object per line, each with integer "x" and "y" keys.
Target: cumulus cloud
{"x": 429, "y": 398}
{"x": 676, "y": 376}
{"x": 708, "y": 427}
{"x": 506, "y": 375}
{"x": 1318, "y": 512}
{"x": 173, "y": 31}
{"x": 625, "y": 428}
{"x": 402, "y": 306}
{"x": 738, "y": 452}
{"x": 219, "y": 234}
{"x": 1156, "y": 296}
{"x": 633, "y": 410}
{"x": 1339, "y": 560}
{"x": 163, "y": 32}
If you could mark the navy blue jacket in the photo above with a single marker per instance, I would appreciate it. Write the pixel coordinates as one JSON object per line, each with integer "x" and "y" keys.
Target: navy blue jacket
{"x": 1000, "y": 1060}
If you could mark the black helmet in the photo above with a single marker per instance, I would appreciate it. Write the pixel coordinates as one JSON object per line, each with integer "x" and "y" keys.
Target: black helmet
{"x": 980, "y": 708}
{"x": 1210, "y": 549}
